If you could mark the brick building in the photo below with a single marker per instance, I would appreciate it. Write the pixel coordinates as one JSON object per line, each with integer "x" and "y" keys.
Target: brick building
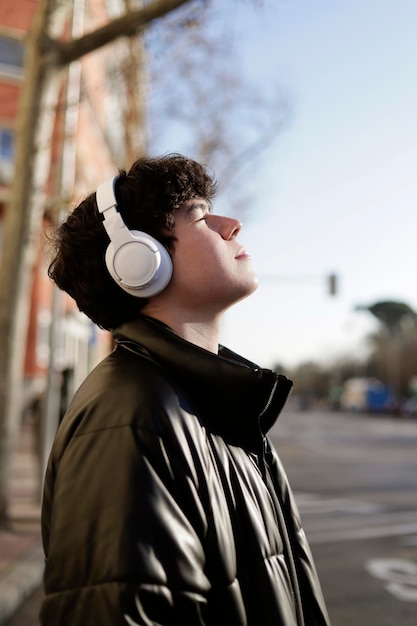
{"x": 88, "y": 145}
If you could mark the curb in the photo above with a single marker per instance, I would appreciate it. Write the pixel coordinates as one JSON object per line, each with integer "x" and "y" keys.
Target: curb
{"x": 20, "y": 581}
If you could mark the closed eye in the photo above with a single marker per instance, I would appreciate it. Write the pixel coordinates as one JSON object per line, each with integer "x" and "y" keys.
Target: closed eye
{"x": 196, "y": 209}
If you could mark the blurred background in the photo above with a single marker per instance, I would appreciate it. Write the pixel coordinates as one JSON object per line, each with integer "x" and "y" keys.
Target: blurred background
{"x": 305, "y": 111}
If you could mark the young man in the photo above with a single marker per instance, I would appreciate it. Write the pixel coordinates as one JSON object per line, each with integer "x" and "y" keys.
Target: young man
{"x": 165, "y": 503}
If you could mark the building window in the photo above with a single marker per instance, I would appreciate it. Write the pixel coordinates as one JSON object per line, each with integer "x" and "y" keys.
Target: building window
{"x": 12, "y": 57}
{"x": 6, "y": 155}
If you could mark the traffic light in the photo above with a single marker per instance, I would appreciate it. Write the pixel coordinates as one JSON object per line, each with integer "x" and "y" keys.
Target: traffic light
{"x": 332, "y": 284}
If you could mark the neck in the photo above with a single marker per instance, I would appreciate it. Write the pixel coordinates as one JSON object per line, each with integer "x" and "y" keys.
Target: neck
{"x": 200, "y": 329}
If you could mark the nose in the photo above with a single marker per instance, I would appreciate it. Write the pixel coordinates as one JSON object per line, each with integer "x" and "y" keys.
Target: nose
{"x": 230, "y": 227}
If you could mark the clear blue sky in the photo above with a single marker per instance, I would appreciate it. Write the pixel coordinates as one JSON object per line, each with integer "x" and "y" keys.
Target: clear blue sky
{"x": 344, "y": 174}
{"x": 337, "y": 190}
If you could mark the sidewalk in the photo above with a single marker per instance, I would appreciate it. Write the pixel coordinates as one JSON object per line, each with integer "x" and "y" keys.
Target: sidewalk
{"x": 21, "y": 555}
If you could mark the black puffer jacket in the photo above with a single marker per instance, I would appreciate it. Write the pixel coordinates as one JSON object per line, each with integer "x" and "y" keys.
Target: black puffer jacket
{"x": 164, "y": 502}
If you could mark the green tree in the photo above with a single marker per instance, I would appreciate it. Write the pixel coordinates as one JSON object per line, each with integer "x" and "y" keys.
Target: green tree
{"x": 393, "y": 357}
{"x": 395, "y": 316}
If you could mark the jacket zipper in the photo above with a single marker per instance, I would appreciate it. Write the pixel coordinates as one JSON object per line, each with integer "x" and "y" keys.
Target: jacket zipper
{"x": 268, "y": 402}
{"x": 261, "y": 460}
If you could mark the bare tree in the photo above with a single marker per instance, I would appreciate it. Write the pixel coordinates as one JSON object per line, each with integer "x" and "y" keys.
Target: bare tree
{"x": 226, "y": 125}
{"x": 204, "y": 98}
{"x": 47, "y": 56}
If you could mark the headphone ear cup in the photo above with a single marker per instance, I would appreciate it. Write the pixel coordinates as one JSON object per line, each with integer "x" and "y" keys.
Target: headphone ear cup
{"x": 140, "y": 264}
{"x": 137, "y": 262}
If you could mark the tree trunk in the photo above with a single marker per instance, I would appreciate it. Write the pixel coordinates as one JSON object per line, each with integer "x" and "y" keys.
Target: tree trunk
{"x": 21, "y": 235}
{"x": 22, "y": 223}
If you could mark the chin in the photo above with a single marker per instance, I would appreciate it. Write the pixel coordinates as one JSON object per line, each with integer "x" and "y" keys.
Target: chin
{"x": 254, "y": 284}
{"x": 249, "y": 289}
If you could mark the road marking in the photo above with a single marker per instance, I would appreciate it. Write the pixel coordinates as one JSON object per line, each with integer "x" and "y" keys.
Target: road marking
{"x": 361, "y": 520}
{"x": 400, "y": 576}
{"x": 351, "y": 534}
{"x": 312, "y": 503}
{"x": 388, "y": 518}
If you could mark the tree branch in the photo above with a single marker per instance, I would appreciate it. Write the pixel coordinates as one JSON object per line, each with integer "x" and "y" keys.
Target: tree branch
{"x": 65, "y": 52}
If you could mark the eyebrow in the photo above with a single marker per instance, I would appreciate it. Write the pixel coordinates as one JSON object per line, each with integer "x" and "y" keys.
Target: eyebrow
{"x": 198, "y": 204}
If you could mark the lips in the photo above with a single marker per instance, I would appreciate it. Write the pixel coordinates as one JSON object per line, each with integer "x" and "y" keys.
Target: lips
{"x": 242, "y": 254}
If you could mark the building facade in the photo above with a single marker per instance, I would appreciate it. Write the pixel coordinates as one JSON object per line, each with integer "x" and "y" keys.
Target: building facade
{"x": 88, "y": 145}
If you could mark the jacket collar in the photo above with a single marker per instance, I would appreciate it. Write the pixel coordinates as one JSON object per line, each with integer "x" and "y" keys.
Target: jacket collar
{"x": 236, "y": 398}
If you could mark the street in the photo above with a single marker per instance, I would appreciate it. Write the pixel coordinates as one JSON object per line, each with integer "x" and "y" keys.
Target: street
{"x": 355, "y": 481}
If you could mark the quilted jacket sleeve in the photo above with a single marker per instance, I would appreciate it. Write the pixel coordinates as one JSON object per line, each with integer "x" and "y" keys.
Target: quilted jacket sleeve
{"x": 120, "y": 549}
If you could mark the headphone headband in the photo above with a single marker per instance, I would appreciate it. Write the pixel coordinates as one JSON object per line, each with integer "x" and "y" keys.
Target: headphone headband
{"x": 106, "y": 195}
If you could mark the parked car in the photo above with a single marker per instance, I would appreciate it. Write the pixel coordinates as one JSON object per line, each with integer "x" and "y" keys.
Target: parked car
{"x": 365, "y": 394}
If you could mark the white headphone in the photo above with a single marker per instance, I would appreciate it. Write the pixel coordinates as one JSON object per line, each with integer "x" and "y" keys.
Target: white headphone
{"x": 137, "y": 262}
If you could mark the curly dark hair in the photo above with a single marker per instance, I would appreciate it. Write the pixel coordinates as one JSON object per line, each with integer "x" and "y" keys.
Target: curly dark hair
{"x": 148, "y": 197}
